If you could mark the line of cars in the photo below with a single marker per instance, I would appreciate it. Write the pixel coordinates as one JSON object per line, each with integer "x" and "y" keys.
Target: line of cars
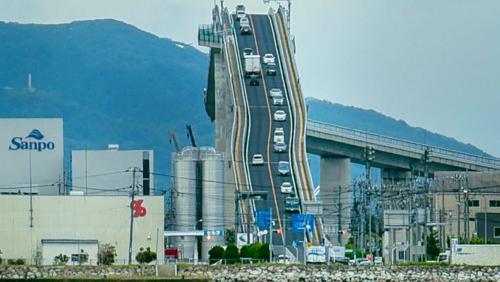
{"x": 252, "y": 69}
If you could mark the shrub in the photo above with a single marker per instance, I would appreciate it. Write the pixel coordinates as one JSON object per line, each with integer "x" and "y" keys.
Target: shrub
{"x": 18, "y": 261}
{"x": 145, "y": 256}
{"x": 107, "y": 254}
{"x": 245, "y": 252}
{"x": 61, "y": 259}
{"x": 1, "y": 257}
{"x": 231, "y": 255}
{"x": 216, "y": 253}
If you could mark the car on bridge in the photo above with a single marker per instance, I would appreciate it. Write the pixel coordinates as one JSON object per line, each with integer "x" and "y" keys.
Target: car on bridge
{"x": 247, "y": 52}
{"x": 268, "y": 58}
{"x": 286, "y": 188}
{"x": 257, "y": 159}
{"x": 292, "y": 204}
{"x": 279, "y": 115}
{"x": 271, "y": 69}
{"x": 278, "y": 100}
{"x": 254, "y": 80}
{"x": 275, "y": 92}
{"x": 283, "y": 168}
{"x": 279, "y": 135}
{"x": 245, "y": 30}
{"x": 240, "y": 11}
{"x": 244, "y": 21}
{"x": 280, "y": 147}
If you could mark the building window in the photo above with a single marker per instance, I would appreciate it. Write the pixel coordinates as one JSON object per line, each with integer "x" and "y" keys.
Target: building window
{"x": 474, "y": 203}
{"x": 496, "y": 232}
{"x": 494, "y": 204}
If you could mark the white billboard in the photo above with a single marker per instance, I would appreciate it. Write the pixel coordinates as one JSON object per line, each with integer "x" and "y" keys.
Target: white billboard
{"x": 31, "y": 155}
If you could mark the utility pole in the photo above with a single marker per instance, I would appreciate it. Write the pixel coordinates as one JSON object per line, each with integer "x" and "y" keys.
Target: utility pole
{"x": 134, "y": 170}
{"x": 271, "y": 235}
{"x": 339, "y": 217}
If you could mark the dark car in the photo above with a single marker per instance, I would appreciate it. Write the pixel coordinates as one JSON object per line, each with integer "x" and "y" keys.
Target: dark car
{"x": 245, "y": 30}
{"x": 254, "y": 80}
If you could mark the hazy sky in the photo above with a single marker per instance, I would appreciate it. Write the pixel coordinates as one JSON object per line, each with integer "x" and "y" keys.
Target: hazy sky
{"x": 435, "y": 64}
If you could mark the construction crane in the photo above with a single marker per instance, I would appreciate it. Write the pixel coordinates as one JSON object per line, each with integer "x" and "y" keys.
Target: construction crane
{"x": 190, "y": 134}
{"x": 173, "y": 139}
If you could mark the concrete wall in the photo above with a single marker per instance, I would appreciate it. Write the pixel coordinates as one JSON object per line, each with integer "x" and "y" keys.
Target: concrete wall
{"x": 476, "y": 255}
{"x": 46, "y": 163}
{"x": 104, "y": 172}
{"x": 105, "y": 219}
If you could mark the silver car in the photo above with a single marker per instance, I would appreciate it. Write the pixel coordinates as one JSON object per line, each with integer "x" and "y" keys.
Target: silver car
{"x": 283, "y": 168}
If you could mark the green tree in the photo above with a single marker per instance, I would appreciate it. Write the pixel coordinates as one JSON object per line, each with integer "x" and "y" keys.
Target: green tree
{"x": 254, "y": 250}
{"x": 230, "y": 237}
{"x": 107, "y": 254}
{"x": 433, "y": 248}
{"x": 245, "y": 252}
{"x": 216, "y": 253}
{"x": 231, "y": 255}
{"x": 61, "y": 259}
{"x": 145, "y": 256}
{"x": 264, "y": 252}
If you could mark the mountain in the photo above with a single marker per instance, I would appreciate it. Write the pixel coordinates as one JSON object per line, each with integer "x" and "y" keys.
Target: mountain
{"x": 113, "y": 83}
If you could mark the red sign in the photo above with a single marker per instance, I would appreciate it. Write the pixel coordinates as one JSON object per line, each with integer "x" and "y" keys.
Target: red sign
{"x": 139, "y": 210}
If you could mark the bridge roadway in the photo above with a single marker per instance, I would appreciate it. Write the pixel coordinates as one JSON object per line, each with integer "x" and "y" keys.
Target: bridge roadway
{"x": 390, "y": 153}
{"x": 262, "y": 126}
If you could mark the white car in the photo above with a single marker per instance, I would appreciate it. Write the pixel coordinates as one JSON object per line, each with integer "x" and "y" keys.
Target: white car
{"x": 286, "y": 188}
{"x": 244, "y": 21}
{"x": 278, "y": 100}
{"x": 275, "y": 92}
{"x": 279, "y": 147}
{"x": 268, "y": 58}
{"x": 257, "y": 159}
{"x": 240, "y": 11}
{"x": 279, "y": 135}
{"x": 279, "y": 115}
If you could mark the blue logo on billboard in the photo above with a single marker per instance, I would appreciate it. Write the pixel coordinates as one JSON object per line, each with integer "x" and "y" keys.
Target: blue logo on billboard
{"x": 34, "y": 141}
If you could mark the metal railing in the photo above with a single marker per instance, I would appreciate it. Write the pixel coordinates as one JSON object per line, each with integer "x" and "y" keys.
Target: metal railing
{"x": 360, "y": 135}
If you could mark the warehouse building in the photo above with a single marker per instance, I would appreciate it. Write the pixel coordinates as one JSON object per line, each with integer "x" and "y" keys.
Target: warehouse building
{"x": 111, "y": 172}
{"x": 78, "y": 227}
{"x": 32, "y": 154}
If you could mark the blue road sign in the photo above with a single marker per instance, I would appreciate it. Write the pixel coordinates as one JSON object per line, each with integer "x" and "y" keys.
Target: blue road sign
{"x": 213, "y": 233}
{"x": 300, "y": 221}
{"x": 263, "y": 218}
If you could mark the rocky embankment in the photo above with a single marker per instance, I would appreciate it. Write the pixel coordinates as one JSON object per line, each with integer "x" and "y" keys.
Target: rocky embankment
{"x": 37, "y": 272}
{"x": 336, "y": 273}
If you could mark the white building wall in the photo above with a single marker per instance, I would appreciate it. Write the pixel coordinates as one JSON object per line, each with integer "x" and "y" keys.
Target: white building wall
{"x": 106, "y": 219}
{"x": 46, "y": 163}
{"x": 107, "y": 172}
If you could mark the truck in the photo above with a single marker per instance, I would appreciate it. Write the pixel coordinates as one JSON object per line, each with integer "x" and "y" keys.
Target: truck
{"x": 316, "y": 254}
{"x": 467, "y": 254}
{"x": 252, "y": 65}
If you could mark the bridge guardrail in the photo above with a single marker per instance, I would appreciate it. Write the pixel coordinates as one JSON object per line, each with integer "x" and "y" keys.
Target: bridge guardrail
{"x": 418, "y": 148}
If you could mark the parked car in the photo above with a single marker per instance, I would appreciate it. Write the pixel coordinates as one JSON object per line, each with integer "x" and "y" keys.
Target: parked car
{"x": 280, "y": 147}
{"x": 362, "y": 261}
{"x": 378, "y": 260}
{"x": 274, "y": 92}
{"x": 257, "y": 159}
{"x": 271, "y": 69}
{"x": 268, "y": 58}
{"x": 286, "y": 188}
{"x": 279, "y": 115}
{"x": 283, "y": 168}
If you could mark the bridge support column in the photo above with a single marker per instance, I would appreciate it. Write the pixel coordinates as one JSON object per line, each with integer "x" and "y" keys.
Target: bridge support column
{"x": 393, "y": 176}
{"x": 335, "y": 174}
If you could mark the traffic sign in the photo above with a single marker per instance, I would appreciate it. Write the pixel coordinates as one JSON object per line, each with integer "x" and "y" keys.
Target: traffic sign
{"x": 302, "y": 221}
{"x": 263, "y": 218}
{"x": 211, "y": 233}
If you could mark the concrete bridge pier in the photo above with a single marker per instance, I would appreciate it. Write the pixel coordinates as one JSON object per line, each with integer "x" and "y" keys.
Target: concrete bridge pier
{"x": 336, "y": 195}
{"x": 393, "y": 176}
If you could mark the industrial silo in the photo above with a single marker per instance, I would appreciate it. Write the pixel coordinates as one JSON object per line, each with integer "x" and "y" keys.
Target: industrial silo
{"x": 185, "y": 174}
{"x": 213, "y": 198}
